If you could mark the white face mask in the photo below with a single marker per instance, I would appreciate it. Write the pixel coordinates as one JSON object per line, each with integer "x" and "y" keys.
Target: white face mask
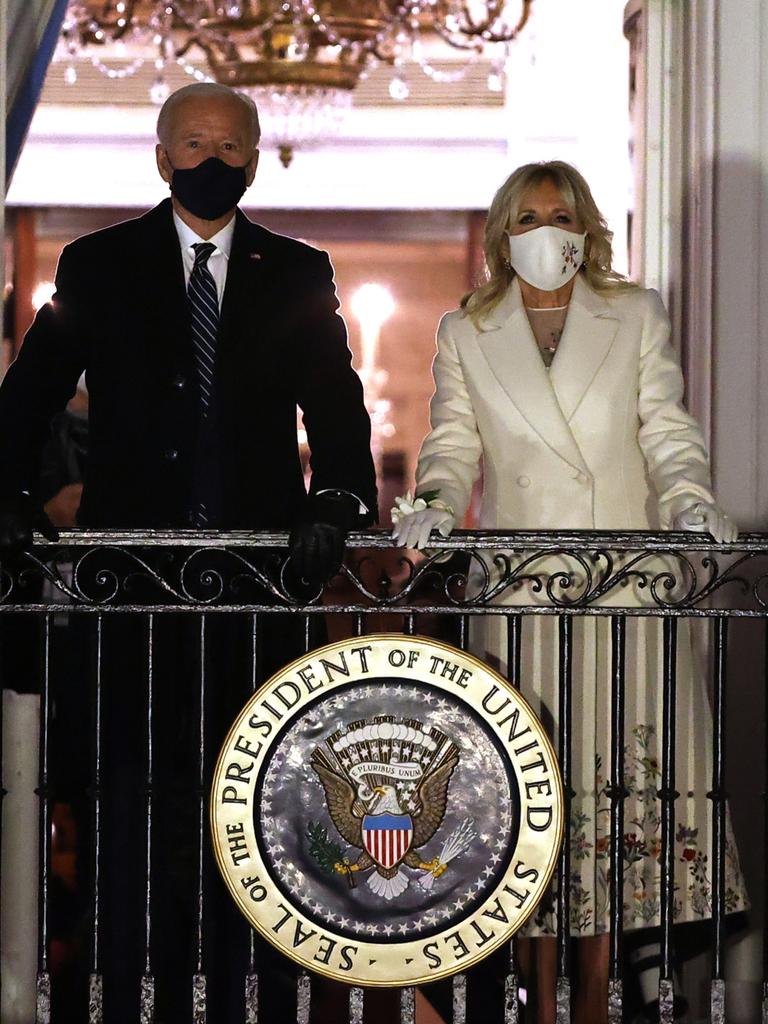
{"x": 547, "y": 257}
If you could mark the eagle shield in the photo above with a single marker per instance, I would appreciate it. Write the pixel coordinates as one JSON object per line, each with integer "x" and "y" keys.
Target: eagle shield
{"x": 387, "y": 837}
{"x": 386, "y": 788}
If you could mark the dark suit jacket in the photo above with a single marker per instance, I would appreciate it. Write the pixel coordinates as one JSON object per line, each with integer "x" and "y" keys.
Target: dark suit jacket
{"x": 120, "y": 313}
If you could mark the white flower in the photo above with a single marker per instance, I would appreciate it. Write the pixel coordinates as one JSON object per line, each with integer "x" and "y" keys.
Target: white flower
{"x": 407, "y": 505}
{"x": 403, "y": 507}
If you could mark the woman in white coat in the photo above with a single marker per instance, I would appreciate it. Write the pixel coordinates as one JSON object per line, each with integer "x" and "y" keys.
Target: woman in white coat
{"x": 557, "y": 378}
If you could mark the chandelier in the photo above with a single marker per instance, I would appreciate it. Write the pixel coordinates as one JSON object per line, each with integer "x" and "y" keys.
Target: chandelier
{"x": 299, "y": 60}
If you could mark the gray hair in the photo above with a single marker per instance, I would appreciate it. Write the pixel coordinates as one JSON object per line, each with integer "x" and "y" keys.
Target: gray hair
{"x": 165, "y": 116}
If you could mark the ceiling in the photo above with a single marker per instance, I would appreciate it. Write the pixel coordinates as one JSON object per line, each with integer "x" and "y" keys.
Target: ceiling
{"x": 447, "y": 148}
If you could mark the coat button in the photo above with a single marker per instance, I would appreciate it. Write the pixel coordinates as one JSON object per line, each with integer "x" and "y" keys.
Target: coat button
{"x": 180, "y": 381}
{"x": 171, "y": 454}
{"x": 524, "y": 481}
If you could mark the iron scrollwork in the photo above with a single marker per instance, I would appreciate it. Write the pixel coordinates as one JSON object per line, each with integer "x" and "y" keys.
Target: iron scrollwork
{"x": 641, "y": 573}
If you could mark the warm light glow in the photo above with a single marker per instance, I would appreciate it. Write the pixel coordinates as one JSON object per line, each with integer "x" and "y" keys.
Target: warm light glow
{"x": 43, "y": 293}
{"x": 372, "y": 304}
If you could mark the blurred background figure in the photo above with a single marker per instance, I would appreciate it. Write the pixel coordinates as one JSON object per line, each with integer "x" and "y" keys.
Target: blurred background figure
{"x": 63, "y": 461}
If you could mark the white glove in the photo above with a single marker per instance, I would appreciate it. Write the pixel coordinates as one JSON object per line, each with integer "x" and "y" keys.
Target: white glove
{"x": 415, "y": 518}
{"x": 705, "y": 518}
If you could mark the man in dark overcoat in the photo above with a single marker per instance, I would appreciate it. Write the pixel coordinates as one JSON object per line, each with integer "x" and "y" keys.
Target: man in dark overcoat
{"x": 122, "y": 313}
{"x": 200, "y": 333}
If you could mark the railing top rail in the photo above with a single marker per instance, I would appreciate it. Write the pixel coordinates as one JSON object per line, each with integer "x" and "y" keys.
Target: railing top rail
{"x": 541, "y": 572}
{"x": 519, "y": 540}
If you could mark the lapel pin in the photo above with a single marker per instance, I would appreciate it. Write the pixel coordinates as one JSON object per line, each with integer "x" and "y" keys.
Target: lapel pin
{"x": 255, "y": 255}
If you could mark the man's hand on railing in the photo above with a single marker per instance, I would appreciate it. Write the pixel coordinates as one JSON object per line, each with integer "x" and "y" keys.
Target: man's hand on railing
{"x": 318, "y": 540}
{"x": 705, "y": 518}
{"x": 19, "y": 518}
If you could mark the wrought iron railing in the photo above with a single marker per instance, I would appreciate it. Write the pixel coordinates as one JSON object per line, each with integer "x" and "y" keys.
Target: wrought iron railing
{"x": 571, "y": 575}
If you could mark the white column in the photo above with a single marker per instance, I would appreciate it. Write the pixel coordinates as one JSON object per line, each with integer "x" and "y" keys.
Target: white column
{"x": 740, "y": 279}
{"x": 704, "y": 244}
{"x": 702, "y": 229}
{"x": 18, "y": 891}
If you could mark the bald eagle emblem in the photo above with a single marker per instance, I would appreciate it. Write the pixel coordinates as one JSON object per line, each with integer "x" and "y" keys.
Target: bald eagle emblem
{"x": 386, "y": 788}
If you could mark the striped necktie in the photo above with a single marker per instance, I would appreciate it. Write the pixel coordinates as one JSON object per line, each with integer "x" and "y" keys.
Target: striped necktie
{"x": 204, "y": 315}
{"x": 204, "y": 311}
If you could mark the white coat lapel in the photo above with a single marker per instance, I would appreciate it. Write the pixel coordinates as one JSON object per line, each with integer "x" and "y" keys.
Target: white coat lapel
{"x": 590, "y": 330}
{"x": 509, "y": 347}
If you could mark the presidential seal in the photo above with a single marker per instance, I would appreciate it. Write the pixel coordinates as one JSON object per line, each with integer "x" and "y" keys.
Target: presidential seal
{"x": 387, "y": 810}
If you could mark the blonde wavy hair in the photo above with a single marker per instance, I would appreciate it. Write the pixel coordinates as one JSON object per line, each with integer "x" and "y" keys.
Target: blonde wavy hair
{"x": 597, "y": 270}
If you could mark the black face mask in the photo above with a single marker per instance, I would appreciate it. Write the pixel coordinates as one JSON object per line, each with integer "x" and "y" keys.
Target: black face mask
{"x": 210, "y": 189}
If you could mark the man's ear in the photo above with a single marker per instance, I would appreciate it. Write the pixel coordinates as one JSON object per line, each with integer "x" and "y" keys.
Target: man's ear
{"x": 250, "y": 168}
{"x": 163, "y": 166}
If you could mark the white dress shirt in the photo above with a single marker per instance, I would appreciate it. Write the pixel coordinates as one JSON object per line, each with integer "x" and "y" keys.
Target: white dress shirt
{"x": 219, "y": 258}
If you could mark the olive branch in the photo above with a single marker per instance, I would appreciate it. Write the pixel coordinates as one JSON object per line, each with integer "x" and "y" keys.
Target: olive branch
{"x": 327, "y": 853}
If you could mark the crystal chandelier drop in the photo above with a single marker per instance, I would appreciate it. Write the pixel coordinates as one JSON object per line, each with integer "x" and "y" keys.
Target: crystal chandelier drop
{"x": 300, "y": 60}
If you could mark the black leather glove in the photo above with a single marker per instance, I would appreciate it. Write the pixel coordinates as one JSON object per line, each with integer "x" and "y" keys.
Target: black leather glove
{"x": 317, "y": 541}
{"x": 19, "y": 517}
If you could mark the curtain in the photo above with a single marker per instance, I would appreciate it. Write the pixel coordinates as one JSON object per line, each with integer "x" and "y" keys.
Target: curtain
{"x": 33, "y": 28}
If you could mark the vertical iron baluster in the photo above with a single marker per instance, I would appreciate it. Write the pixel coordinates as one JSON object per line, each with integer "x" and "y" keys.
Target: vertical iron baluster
{"x": 3, "y": 790}
{"x": 564, "y": 866}
{"x": 459, "y": 999}
{"x": 359, "y": 623}
{"x": 255, "y": 652}
{"x": 764, "y": 1008}
{"x": 304, "y": 984}
{"x": 717, "y": 795}
{"x": 410, "y": 623}
{"x": 408, "y": 1005}
{"x": 617, "y": 795}
{"x": 511, "y": 989}
{"x": 460, "y": 980}
{"x": 252, "y": 986}
{"x": 252, "y": 977}
{"x": 514, "y": 646}
{"x": 96, "y": 989}
{"x": 307, "y": 634}
{"x": 668, "y": 795}
{"x": 199, "y": 1000}
{"x": 356, "y": 1005}
{"x": 463, "y": 632}
{"x": 512, "y": 980}
{"x": 303, "y": 997}
{"x": 43, "y": 1011}
{"x": 147, "y": 1012}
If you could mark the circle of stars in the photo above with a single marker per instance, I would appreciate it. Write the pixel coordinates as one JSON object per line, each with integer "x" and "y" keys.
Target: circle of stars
{"x": 491, "y": 786}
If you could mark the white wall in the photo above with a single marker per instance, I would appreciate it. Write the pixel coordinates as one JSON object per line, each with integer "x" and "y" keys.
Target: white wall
{"x": 568, "y": 100}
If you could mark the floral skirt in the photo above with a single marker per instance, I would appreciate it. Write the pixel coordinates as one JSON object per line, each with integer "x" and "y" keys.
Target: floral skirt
{"x": 590, "y": 824}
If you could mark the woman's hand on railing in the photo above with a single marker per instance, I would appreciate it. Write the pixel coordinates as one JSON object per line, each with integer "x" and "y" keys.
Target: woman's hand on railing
{"x": 414, "y": 529}
{"x": 415, "y": 519}
{"x": 705, "y": 518}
